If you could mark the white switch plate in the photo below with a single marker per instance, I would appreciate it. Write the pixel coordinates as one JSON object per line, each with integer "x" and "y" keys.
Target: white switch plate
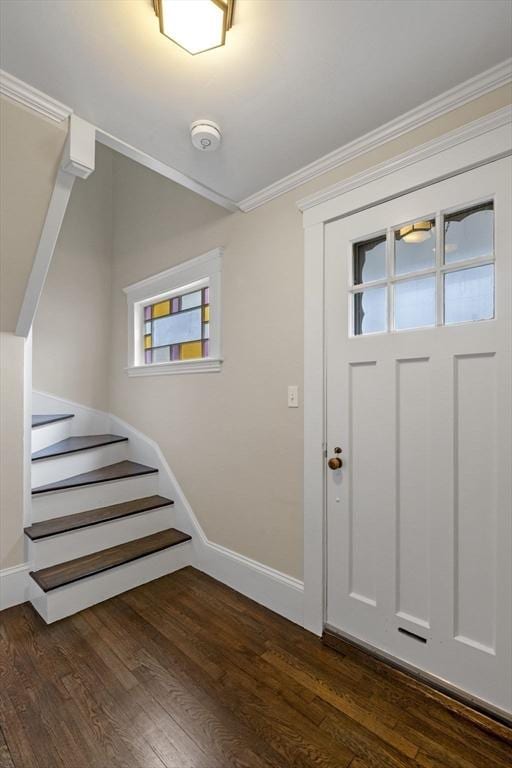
{"x": 293, "y": 396}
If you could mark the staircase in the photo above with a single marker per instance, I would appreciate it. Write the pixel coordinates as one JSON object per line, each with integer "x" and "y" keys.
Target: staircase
{"x": 99, "y": 526}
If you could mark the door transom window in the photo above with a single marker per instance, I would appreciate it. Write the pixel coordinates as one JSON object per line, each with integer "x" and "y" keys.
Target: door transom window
{"x": 437, "y": 270}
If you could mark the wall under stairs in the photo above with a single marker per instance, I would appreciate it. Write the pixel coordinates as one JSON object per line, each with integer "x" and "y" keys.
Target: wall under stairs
{"x": 90, "y": 518}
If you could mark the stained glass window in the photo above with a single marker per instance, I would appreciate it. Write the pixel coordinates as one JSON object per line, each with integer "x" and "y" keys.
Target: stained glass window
{"x": 177, "y": 328}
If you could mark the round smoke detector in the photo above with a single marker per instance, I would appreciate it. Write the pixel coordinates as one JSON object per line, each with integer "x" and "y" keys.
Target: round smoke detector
{"x": 205, "y": 135}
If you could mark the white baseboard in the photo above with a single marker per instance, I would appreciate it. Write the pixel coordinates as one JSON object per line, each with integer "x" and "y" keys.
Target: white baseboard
{"x": 275, "y": 590}
{"x": 14, "y": 585}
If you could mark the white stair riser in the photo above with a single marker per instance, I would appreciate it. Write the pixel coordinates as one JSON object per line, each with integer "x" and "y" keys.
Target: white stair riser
{"x": 50, "y": 433}
{"x": 85, "y": 541}
{"x": 85, "y": 421}
{"x": 46, "y": 506}
{"x": 58, "y": 468}
{"x": 72, "y": 598}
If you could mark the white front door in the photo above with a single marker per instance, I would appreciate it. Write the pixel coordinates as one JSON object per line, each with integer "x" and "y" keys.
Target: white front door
{"x": 419, "y": 397}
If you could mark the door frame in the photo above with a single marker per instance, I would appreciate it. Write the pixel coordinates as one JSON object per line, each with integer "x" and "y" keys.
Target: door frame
{"x": 480, "y": 142}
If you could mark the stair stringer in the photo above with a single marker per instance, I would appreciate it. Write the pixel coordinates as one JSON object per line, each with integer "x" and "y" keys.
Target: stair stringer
{"x": 278, "y": 591}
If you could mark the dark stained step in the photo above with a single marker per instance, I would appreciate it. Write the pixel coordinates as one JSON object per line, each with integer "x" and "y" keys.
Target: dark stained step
{"x": 119, "y": 471}
{"x": 75, "y": 444}
{"x": 66, "y": 573}
{"x": 93, "y": 516}
{"x": 39, "y": 419}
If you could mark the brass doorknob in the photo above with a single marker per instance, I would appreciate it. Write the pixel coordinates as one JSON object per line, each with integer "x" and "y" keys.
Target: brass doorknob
{"x": 335, "y": 463}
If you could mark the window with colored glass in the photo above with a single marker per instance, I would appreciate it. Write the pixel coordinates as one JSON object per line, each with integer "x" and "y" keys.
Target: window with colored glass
{"x": 177, "y": 328}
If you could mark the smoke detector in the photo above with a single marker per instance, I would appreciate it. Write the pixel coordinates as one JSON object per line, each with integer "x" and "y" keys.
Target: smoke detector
{"x": 205, "y": 135}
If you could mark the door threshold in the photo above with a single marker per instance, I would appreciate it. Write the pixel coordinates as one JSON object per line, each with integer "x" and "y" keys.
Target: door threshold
{"x": 490, "y": 719}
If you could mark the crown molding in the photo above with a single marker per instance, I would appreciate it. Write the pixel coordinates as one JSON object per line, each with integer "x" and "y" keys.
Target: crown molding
{"x": 41, "y": 103}
{"x": 45, "y": 105}
{"x": 482, "y": 125}
{"x": 30, "y": 97}
{"x": 118, "y": 145}
{"x": 456, "y": 97}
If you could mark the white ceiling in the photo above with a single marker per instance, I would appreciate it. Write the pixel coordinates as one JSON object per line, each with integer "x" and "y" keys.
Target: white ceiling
{"x": 296, "y": 79}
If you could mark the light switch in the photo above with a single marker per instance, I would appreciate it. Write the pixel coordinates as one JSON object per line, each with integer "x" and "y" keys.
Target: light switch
{"x": 293, "y": 396}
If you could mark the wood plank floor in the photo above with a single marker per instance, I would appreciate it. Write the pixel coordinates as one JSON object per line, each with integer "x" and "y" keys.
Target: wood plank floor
{"x": 185, "y": 673}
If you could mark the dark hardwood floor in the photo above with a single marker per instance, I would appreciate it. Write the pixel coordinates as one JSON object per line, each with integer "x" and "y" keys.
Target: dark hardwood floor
{"x": 186, "y": 673}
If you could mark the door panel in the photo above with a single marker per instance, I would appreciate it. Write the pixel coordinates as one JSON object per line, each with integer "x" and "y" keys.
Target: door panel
{"x": 475, "y": 463}
{"x": 419, "y": 534}
{"x": 413, "y": 395}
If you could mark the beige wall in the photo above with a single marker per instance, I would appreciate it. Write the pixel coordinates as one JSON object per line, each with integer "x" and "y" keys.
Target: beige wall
{"x": 71, "y": 332}
{"x": 229, "y": 437}
{"x": 30, "y": 149}
{"x": 234, "y": 445}
{"x": 11, "y": 449}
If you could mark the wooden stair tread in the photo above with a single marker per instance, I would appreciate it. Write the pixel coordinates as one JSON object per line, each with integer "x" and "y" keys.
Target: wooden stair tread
{"x": 74, "y": 570}
{"x": 119, "y": 471}
{"x": 40, "y": 419}
{"x": 75, "y": 444}
{"x": 93, "y": 516}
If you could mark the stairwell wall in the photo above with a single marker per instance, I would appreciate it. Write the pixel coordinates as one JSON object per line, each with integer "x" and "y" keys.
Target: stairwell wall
{"x": 235, "y": 447}
{"x": 71, "y": 331}
{"x": 30, "y": 149}
{"x": 231, "y": 441}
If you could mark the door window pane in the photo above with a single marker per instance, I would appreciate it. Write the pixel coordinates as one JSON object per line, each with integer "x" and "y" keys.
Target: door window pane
{"x": 370, "y": 260}
{"x": 415, "y": 303}
{"x": 469, "y": 234}
{"x": 469, "y": 294}
{"x": 415, "y": 247}
{"x": 370, "y": 311}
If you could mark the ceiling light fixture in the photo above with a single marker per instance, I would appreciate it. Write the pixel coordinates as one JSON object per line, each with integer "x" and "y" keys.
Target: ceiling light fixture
{"x": 417, "y": 232}
{"x": 195, "y": 25}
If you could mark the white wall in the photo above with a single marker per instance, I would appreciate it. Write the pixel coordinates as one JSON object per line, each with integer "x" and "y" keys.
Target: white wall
{"x": 71, "y": 332}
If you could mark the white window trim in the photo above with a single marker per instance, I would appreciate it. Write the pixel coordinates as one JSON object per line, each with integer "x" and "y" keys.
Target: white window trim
{"x": 202, "y": 271}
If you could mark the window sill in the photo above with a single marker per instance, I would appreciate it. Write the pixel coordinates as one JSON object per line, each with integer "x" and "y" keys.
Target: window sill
{"x": 203, "y": 365}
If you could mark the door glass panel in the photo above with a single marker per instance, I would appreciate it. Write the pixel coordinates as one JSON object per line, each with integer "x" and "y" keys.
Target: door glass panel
{"x": 370, "y": 311}
{"x": 415, "y": 303}
{"x": 370, "y": 260}
{"x": 469, "y": 234}
{"x": 415, "y": 247}
{"x": 469, "y": 294}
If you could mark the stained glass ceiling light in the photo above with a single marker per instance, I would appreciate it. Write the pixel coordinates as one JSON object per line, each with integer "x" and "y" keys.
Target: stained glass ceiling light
{"x": 417, "y": 232}
{"x": 195, "y": 25}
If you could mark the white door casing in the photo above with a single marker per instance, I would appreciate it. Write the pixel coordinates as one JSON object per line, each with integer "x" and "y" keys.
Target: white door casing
{"x": 419, "y": 535}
